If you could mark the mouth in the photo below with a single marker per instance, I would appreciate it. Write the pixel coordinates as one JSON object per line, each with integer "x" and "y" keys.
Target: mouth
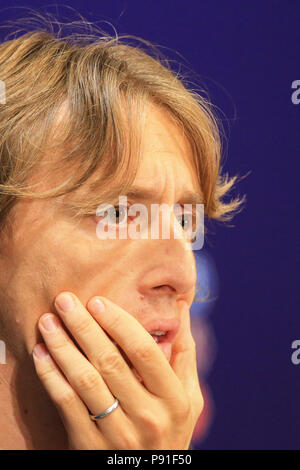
{"x": 163, "y": 334}
{"x": 164, "y": 339}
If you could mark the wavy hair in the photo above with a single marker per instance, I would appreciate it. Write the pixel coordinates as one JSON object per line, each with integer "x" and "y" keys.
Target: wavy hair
{"x": 102, "y": 84}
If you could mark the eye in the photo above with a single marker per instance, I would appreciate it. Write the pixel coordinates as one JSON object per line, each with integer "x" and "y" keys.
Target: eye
{"x": 189, "y": 221}
{"x": 186, "y": 219}
{"x": 119, "y": 214}
{"x": 114, "y": 215}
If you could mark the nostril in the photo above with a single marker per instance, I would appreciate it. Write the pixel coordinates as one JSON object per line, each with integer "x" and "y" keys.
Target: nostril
{"x": 164, "y": 287}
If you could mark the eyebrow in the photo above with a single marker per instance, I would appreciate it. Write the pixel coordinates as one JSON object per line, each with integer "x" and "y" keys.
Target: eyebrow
{"x": 149, "y": 194}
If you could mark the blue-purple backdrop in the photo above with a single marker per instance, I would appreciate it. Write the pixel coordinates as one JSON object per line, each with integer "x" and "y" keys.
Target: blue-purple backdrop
{"x": 248, "y": 54}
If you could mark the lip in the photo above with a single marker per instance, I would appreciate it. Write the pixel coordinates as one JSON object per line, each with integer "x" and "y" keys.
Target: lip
{"x": 171, "y": 327}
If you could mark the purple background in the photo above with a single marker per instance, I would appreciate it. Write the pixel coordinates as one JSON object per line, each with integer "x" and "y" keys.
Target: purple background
{"x": 247, "y": 54}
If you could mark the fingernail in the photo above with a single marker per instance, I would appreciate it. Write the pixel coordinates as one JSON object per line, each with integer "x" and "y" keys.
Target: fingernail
{"x": 64, "y": 302}
{"x": 97, "y": 306}
{"x": 50, "y": 322}
{"x": 40, "y": 351}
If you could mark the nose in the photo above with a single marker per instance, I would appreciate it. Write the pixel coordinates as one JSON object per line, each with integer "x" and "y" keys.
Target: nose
{"x": 171, "y": 267}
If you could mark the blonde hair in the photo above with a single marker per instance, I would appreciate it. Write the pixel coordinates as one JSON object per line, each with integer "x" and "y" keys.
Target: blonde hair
{"x": 102, "y": 83}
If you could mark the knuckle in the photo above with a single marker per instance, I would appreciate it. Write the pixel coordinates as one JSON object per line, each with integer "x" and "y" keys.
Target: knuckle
{"x": 183, "y": 411}
{"x": 151, "y": 423}
{"x": 46, "y": 373}
{"x": 180, "y": 406}
{"x": 109, "y": 363}
{"x": 66, "y": 398}
{"x": 144, "y": 352}
{"x": 114, "y": 322}
{"x": 58, "y": 346}
{"x": 87, "y": 381}
{"x": 82, "y": 325}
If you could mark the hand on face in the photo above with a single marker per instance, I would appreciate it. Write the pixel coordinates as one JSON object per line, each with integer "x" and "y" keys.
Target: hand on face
{"x": 83, "y": 370}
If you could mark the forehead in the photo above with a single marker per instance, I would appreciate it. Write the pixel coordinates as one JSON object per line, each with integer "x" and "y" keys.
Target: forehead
{"x": 167, "y": 156}
{"x": 166, "y": 167}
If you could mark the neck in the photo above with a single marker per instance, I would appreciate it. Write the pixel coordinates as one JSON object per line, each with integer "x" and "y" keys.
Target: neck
{"x": 28, "y": 418}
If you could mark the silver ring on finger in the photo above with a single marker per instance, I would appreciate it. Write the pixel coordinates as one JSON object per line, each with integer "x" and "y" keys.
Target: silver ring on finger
{"x": 106, "y": 412}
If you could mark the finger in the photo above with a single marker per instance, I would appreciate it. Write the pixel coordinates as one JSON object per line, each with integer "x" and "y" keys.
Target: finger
{"x": 80, "y": 373}
{"x": 102, "y": 353}
{"x": 70, "y": 407}
{"x": 184, "y": 360}
{"x": 139, "y": 346}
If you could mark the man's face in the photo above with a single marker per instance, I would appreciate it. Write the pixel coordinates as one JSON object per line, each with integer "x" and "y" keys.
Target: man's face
{"x": 50, "y": 252}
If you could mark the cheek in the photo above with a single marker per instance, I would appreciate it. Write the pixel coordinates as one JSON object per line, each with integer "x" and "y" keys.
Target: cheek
{"x": 86, "y": 267}
{"x": 60, "y": 256}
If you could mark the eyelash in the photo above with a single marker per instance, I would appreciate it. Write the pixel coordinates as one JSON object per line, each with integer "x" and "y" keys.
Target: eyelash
{"x": 115, "y": 208}
{"x": 130, "y": 203}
